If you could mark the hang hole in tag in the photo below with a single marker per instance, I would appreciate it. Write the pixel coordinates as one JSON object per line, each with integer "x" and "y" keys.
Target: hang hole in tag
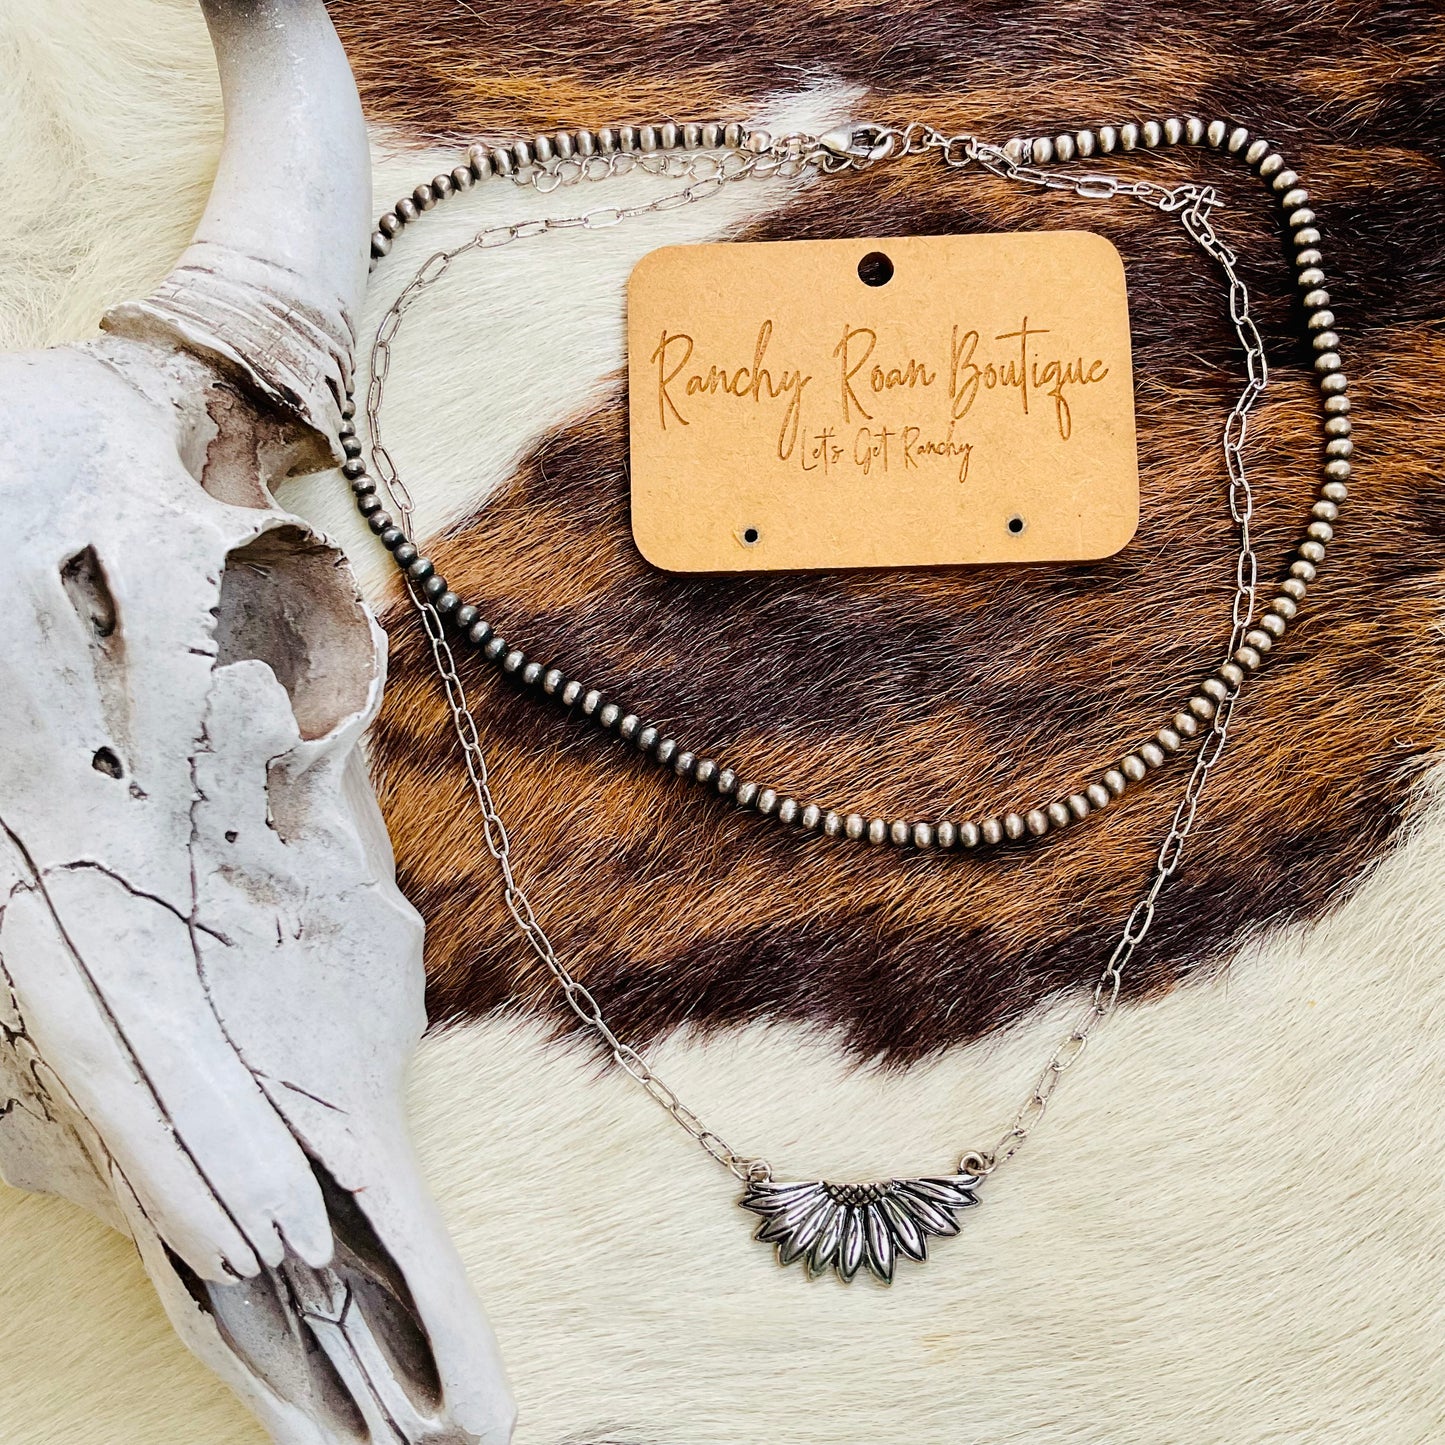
{"x": 875, "y": 269}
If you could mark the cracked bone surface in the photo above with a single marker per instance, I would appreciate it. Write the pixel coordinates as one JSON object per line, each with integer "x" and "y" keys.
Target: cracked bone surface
{"x": 210, "y": 986}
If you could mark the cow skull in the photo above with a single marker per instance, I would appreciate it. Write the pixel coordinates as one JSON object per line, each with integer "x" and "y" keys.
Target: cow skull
{"x": 209, "y": 983}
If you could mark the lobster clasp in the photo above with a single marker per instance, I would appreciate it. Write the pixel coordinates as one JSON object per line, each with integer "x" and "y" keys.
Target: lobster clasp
{"x": 856, "y": 145}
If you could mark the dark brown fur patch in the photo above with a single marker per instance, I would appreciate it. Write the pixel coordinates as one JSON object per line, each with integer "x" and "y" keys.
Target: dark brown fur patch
{"x": 950, "y": 692}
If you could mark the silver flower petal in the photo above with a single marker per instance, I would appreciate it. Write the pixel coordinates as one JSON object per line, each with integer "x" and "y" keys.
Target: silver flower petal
{"x": 808, "y": 1229}
{"x": 935, "y": 1218}
{"x": 911, "y": 1239}
{"x": 850, "y": 1248}
{"x": 825, "y": 1247}
{"x": 879, "y": 1236}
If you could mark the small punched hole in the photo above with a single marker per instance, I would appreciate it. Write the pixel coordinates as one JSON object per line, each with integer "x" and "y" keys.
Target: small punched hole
{"x": 750, "y": 536}
{"x": 875, "y": 269}
{"x": 1016, "y": 525}
{"x": 105, "y": 761}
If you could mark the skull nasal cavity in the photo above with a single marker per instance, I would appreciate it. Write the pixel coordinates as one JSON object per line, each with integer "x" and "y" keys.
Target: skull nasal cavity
{"x": 286, "y": 600}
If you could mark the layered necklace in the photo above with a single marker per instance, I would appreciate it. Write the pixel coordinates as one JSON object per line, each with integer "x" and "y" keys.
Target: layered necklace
{"x": 853, "y": 1227}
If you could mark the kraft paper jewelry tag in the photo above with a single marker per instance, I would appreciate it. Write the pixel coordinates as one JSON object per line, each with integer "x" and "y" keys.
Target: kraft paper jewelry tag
{"x": 916, "y": 401}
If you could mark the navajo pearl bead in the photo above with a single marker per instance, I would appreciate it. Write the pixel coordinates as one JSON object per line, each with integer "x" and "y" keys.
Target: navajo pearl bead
{"x": 551, "y": 679}
{"x": 1214, "y": 688}
{"x": 1059, "y": 815}
{"x": 1325, "y": 511}
{"x": 899, "y": 833}
{"x": 609, "y": 714}
{"x": 832, "y": 824}
{"x": 788, "y": 810}
{"x": 514, "y": 659}
{"x": 766, "y": 800}
{"x": 1151, "y": 133}
{"x": 1097, "y": 795}
{"x": 969, "y": 835}
{"x": 1186, "y": 724}
{"x": 1333, "y": 383}
{"x": 1238, "y": 137}
{"x": 855, "y": 825}
{"x": 1232, "y": 674}
{"x": 877, "y": 831}
{"x": 1133, "y": 767}
{"x": 628, "y": 724}
{"x": 1014, "y": 825}
{"x": 727, "y": 781}
{"x": 1293, "y": 587}
{"x": 1285, "y": 606}
{"x": 1338, "y": 470}
{"x": 684, "y": 763}
{"x": 1312, "y": 552}
{"x": 1248, "y": 658}
{"x": 1215, "y": 132}
{"x": 1335, "y": 491}
{"x": 1273, "y": 624}
{"x": 494, "y": 648}
{"x": 1037, "y": 822}
{"x": 1078, "y": 805}
{"x": 706, "y": 771}
{"x": 746, "y": 794}
{"x": 991, "y": 831}
{"x": 1169, "y": 740}
{"x": 382, "y": 524}
{"x": 1115, "y": 781}
{"x": 811, "y": 817}
{"x": 571, "y": 693}
{"x": 946, "y": 835}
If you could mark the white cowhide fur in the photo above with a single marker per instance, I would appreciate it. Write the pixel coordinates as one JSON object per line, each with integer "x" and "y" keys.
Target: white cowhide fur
{"x": 1231, "y": 1228}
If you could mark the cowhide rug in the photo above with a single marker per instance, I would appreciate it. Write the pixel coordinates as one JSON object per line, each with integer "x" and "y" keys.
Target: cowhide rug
{"x": 1229, "y": 1229}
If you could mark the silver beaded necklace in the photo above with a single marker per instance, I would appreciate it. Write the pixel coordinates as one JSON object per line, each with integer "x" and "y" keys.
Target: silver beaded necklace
{"x": 854, "y": 1226}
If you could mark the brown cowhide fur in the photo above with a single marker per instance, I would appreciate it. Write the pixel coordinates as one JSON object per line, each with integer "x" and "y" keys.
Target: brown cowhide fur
{"x": 950, "y": 692}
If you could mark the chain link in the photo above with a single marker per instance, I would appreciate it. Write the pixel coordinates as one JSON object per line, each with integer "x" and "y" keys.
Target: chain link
{"x": 796, "y": 158}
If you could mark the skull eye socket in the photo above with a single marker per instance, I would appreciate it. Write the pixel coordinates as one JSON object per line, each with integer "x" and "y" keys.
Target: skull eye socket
{"x": 285, "y": 601}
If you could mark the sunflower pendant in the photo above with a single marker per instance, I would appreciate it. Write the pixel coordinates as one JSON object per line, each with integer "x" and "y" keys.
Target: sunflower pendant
{"x": 848, "y": 1226}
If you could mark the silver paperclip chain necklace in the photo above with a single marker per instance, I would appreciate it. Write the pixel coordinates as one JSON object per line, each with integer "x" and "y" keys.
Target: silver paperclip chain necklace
{"x": 848, "y": 1227}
